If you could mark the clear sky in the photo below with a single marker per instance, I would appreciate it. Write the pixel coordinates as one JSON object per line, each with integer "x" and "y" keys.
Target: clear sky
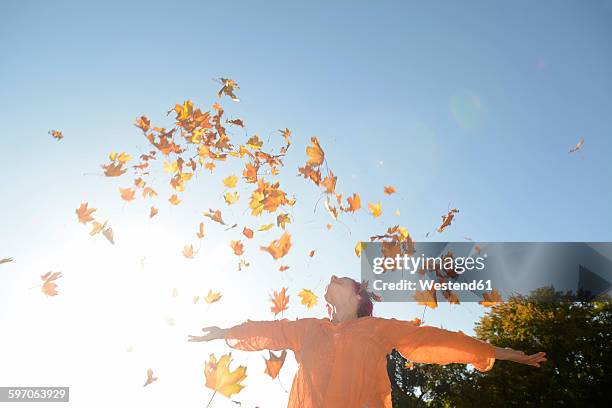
{"x": 469, "y": 104}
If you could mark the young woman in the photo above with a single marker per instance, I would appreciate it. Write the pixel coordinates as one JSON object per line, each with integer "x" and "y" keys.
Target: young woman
{"x": 342, "y": 360}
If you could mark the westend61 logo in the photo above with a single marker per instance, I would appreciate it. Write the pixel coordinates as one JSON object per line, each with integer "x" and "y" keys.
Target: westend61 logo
{"x": 414, "y": 264}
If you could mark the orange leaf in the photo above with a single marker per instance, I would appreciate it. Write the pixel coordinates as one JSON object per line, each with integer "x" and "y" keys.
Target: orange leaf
{"x": 491, "y": 299}
{"x": 280, "y": 300}
{"x": 426, "y": 298}
{"x": 49, "y": 287}
{"x": 389, "y": 190}
{"x": 127, "y": 194}
{"x": 188, "y": 251}
{"x": 311, "y": 254}
{"x": 238, "y": 247}
{"x": 84, "y": 213}
{"x": 150, "y": 377}
{"x": 153, "y": 211}
{"x": 215, "y": 215}
{"x": 447, "y": 219}
{"x": 200, "y": 233}
{"x": 247, "y": 232}
{"x": 280, "y": 247}
{"x": 283, "y": 268}
{"x": 375, "y": 209}
{"x": 315, "y": 153}
{"x": 275, "y": 363}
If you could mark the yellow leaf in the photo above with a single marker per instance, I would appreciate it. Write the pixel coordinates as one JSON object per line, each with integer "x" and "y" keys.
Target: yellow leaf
{"x": 308, "y": 298}
{"x": 220, "y": 378}
{"x": 230, "y": 181}
{"x": 231, "y": 198}
{"x": 375, "y": 209}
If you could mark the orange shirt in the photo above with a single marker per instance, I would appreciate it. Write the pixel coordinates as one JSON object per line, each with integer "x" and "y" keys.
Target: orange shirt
{"x": 344, "y": 364}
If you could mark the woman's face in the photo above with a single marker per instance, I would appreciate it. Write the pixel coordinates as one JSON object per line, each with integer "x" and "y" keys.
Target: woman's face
{"x": 339, "y": 290}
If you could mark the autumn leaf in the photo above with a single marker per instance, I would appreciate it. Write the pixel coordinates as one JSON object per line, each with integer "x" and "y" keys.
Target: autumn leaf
{"x": 219, "y": 377}
{"x": 283, "y": 219}
{"x": 491, "y": 299}
{"x": 280, "y": 300}
{"x": 397, "y": 213}
{"x": 389, "y": 190}
{"x": 56, "y": 134}
{"x": 96, "y": 227}
{"x": 283, "y": 268}
{"x": 243, "y": 264}
{"x": 265, "y": 227}
{"x": 247, "y": 232}
{"x": 254, "y": 142}
{"x": 447, "y": 219}
{"x": 354, "y": 203}
{"x": 315, "y": 153}
{"x": 49, "y": 287}
{"x": 150, "y": 377}
{"x": 108, "y": 234}
{"x": 212, "y": 297}
{"x": 113, "y": 169}
{"x": 149, "y": 192}
{"x": 153, "y": 211}
{"x": 238, "y": 247}
{"x": 375, "y": 209}
{"x": 127, "y": 194}
{"x": 231, "y": 198}
{"x": 84, "y": 213}
{"x": 578, "y": 146}
{"x": 174, "y": 200}
{"x": 5, "y": 260}
{"x": 311, "y": 253}
{"x": 280, "y": 247}
{"x": 188, "y": 251}
{"x": 215, "y": 215}
{"x": 275, "y": 363}
{"x": 230, "y": 181}
{"x": 308, "y": 298}
{"x": 426, "y": 298}
{"x": 358, "y": 248}
{"x": 200, "y": 233}
{"x": 228, "y": 88}
{"x": 416, "y": 321}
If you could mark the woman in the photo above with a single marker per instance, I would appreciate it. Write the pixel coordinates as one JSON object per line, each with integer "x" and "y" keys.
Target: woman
{"x": 342, "y": 361}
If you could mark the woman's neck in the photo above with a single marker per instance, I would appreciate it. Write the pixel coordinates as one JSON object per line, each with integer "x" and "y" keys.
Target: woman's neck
{"x": 342, "y": 315}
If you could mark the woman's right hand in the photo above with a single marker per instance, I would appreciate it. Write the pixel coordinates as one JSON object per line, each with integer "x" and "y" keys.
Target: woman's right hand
{"x": 214, "y": 333}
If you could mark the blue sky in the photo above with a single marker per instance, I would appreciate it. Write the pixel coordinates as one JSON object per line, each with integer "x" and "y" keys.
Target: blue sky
{"x": 473, "y": 105}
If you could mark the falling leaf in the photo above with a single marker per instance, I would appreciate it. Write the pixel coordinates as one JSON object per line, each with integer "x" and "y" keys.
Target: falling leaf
{"x": 49, "y": 287}
{"x": 279, "y": 301}
{"x": 314, "y": 152}
{"x": 174, "y": 200}
{"x": 426, "y": 298}
{"x": 200, "y": 233}
{"x": 491, "y": 299}
{"x": 283, "y": 268}
{"x": 308, "y": 298}
{"x": 5, "y": 260}
{"x": 230, "y": 181}
{"x": 228, "y": 89}
{"x": 275, "y": 363}
{"x": 389, "y": 190}
{"x": 127, "y": 194}
{"x": 578, "y": 146}
{"x": 311, "y": 253}
{"x": 215, "y": 216}
{"x": 447, "y": 219}
{"x": 188, "y": 251}
{"x": 84, "y": 213}
{"x": 282, "y": 220}
{"x": 212, "y": 297}
{"x": 153, "y": 211}
{"x": 243, "y": 264}
{"x": 354, "y": 203}
{"x": 328, "y": 226}
{"x": 358, "y": 248}
{"x": 150, "y": 377}
{"x": 375, "y": 209}
{"x": 231, "y": 198}
{"x": 254, "y": 142}
{"x": 56, "y": 134}
{"x": 265, "y": 227}
{"x": 238, "y": 247}
{"x": 416, "y": 321}
{"x": 247, "y": 232}
{"x": 280, "y": 247}
{"x": 96, "y": 227}
{"x": 220, "y": 378}
{"x": 108, "y": 233}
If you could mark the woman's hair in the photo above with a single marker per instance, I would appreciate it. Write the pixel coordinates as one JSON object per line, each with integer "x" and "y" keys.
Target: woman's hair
{"x": 365, "y": 306}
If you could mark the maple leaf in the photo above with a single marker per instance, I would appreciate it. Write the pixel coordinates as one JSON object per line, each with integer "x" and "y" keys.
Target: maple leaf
{"x": 84, "y": 213}
{"x": 389, "y": 190}
{"x": 447, "y": 219}
{"x": 280, "y": 247}
{"x": 254, "y": 142}
{"x": 220, "y": 378}
{"x": 5, "y": 260}
{"x": 280, "y": 301}
{"x": 231, "y": 198}
{"x": 143, "y": 123}
{"x": 354, "y": 203}
{"x": 230, "y": 181}
{"x": 283, "y": 219}
{"x": 578, "y": 146}
{"x": 491, "y": 299}
{"x": 247, "y": 232}
{"x": 56, "y": 134}
{"x": 113, "y": 169}
{"x": 153, "y": 211}
{"x": 375, "y": 209}
{"x": 315, "y": 153}
{"x": 215, "y": 215}
{"x": 96, "y": 227}
{"x": 228, "y": 88}
{"x": 200, "y": 233}
{"x": 308, "y": 298}
{"x": 174, "y": 200}
{"x": 275, "y": 363}
{"x": 283, "y": 268}
{"x": 426, "y": 298}
{"x": 49, "y": 287}
{"x": 150, "y": 377}
{"x": 127, "y": 194}
{"x": 250, "y": 173}
{"x": 212, "y": 297}
{"x": 238, "y": 247}
{"x": 149, "y": 192}
{"x": 188, "y": 251}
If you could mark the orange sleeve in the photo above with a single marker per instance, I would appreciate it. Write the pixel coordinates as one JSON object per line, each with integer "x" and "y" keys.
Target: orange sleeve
{"x": 267, "y": 335}
{"x": 427, "y": 344}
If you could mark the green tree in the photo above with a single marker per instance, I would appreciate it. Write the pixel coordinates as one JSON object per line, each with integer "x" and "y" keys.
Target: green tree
{"x": 575, "y": 333}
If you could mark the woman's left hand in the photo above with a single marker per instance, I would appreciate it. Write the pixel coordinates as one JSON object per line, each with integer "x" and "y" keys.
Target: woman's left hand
{"x": 520, "y": 356}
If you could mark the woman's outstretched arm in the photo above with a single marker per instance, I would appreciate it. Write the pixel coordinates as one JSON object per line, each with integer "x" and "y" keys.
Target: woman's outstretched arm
{"x": 427, "y": 344}
{"x": 259, "y": 335}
